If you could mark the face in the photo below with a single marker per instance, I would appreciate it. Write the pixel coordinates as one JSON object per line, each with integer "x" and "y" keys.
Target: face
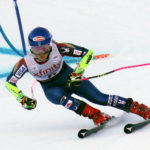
{"x": 41, "y": 52}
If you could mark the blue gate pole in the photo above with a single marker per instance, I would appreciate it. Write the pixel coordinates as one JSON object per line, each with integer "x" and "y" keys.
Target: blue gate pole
{"x": 20, "y": 27}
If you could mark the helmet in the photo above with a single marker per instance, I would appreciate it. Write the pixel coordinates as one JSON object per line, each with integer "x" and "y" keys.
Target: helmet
{"x": 39, "y": 36}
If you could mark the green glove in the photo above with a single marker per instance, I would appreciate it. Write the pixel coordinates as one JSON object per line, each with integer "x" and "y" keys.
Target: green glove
{"x": 75, "y": 77}
{"x": 26, "y": 102}
{"x": 74, "y": 80}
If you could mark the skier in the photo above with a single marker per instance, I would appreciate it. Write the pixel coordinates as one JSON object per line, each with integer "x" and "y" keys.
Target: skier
{"x": 59, "y": 81}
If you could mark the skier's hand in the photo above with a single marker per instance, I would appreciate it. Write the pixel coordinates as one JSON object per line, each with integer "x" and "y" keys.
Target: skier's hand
{"x": 26, "y": 102}
{"x": 29, "y": 103}
{"x": 74, "y": 80}
{"x": 75, "y": 77}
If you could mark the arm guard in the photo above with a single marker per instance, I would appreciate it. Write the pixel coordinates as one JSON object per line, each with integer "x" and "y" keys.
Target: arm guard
{"x": 84, "y": 62}
{"x": 12, "y": 89}
{"x": 20, "y": 97}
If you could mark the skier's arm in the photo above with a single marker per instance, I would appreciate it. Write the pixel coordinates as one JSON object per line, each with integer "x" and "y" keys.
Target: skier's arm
{"x": 18, "y": 71}
{"x": 67, "y": 49}
{"x": 74, "y": 78}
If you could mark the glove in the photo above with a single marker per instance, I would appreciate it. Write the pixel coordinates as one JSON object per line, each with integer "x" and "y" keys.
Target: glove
{"x": 74, "y": 79}
{"x": 26, "y": 102}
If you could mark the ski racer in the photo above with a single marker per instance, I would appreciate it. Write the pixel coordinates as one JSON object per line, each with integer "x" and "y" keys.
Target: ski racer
{"x": 59, "y": 81}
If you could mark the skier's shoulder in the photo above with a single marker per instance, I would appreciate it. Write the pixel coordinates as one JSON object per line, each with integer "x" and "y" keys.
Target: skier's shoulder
{"x": 20, "y": 63}
{"x": 64, "y": 45}
{"x": 20, "y": 68}
{"x": 18, "y": 71}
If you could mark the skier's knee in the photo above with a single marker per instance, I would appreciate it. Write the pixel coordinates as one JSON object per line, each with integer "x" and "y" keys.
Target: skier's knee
{"x": 54, "y": 100}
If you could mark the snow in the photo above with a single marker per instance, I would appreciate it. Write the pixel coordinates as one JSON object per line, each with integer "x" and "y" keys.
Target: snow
{"x": 117, "y": 27}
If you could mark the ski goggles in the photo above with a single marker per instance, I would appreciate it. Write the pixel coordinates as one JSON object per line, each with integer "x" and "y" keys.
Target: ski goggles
{"x": 40, "y": 49}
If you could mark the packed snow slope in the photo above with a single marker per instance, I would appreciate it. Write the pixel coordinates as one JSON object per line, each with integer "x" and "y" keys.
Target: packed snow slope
{"x": 118, "y": 27}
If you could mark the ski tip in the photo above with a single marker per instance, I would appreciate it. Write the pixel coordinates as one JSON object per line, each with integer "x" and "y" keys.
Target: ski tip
{"x": 128, "y": 128}
{"x": 82, "y": 133}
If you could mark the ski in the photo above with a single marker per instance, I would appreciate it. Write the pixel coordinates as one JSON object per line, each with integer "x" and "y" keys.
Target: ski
{"x": 87, "y": 132}
{"x": 129, "y": 128}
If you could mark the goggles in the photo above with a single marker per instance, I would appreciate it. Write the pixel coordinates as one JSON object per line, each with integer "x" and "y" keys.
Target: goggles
{"x": 40, "y": 49}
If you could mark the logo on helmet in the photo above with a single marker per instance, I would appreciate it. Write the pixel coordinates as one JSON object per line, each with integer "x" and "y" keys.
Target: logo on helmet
{"x": 39, "y": 38}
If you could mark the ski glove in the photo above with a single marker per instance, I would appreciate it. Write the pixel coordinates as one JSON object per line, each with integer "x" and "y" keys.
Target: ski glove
{"x": 26, "y": 102}
{"x": 74, "y": 80}
{"x": 75, "y": 77}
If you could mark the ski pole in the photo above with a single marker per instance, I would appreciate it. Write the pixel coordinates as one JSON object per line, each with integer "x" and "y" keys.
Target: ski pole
{"x": 127, "y": 67}
{"x": 32, "y": 92}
